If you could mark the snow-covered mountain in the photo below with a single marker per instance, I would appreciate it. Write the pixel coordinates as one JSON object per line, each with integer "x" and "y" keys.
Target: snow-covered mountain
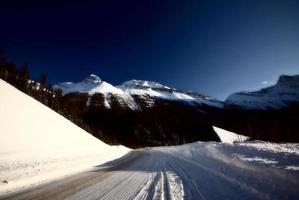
{"x": 91, "y": 85}
{"x": 150, "y": 110}
{"x": 283, "y": 94}
{"x": 139, "y": 113}
{"x": 145, "y": 91}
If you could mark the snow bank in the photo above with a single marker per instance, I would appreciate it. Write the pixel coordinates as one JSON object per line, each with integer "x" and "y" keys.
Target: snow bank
{"x": 39, "y": 145}
{"x": 229, "y": 137}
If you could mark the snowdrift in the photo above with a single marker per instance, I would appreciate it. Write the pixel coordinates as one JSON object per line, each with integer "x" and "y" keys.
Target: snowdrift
{"x": 39, "y": 145}
{"x": 229, "y": 137}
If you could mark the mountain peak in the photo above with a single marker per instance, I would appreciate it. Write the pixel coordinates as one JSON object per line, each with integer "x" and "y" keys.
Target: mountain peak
{"x": 92, "y": 78}
{"x": 142, "y": 84}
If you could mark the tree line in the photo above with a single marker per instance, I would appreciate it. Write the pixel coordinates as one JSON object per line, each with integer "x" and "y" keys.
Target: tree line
{"x": 20, "y": 78}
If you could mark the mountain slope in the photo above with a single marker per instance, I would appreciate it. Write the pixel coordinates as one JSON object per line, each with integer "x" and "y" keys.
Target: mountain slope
{"x": 140, "y": 113}
{"x": 38, "y": 145}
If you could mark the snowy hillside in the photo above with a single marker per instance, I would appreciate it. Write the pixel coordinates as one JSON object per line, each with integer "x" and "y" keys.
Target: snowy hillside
{"x": 146, "y": 90}
{"x": 38, "y": 145}
{"x": 284, "y": 93}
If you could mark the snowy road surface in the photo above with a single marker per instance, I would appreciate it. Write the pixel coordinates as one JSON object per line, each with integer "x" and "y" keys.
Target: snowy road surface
{"x": 254, "y": 170}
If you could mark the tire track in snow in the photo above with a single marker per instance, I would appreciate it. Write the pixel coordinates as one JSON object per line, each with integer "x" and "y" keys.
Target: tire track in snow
{"x": 175, "y": 189}
{"x": 152, "y": 189}
{"x": 192, "y": 188}
{"x": 217, "y": 174}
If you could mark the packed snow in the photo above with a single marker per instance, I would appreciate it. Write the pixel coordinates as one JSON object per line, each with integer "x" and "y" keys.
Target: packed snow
{"x": 284, "y": 93}
{"x": 38, "y": 145}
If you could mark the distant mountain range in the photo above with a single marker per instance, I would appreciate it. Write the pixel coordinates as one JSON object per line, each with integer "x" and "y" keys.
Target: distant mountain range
{"x": 145, "y": 90}
{"x": 278, "y": 96}
{"x": 150, "y": 113}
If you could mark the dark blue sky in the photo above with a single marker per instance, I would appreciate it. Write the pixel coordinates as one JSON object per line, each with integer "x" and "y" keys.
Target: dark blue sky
{"x": 212, "y": 47}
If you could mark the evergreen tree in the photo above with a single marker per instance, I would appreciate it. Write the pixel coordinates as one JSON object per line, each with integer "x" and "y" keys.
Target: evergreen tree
{"x": 42, "y": 80}
{"x": 23, "y": 78}
{"x": 57, "y": 100}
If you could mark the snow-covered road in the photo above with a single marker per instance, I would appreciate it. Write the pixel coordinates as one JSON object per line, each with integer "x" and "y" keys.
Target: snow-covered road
{"x": 195, "y": 171}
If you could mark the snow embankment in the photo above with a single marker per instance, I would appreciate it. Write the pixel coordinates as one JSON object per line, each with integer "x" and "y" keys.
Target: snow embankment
{"x": 38, "y": 145}
{"x": 229, "y": 137}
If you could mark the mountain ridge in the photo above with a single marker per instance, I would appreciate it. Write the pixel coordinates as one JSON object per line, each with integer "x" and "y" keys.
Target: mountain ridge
{"x": 147, "y": 89}
{"x": 277, "y": 96}
{"x": 143, "y": 113}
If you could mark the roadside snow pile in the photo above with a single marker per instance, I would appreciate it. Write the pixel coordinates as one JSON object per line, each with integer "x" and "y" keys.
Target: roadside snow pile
{"x": 284, "y": 155}
{"x": 229, "y": 137}
{"x": 258, "y": 153}
{"x": 38, "y": 145}
{"x": 281, "y": 156}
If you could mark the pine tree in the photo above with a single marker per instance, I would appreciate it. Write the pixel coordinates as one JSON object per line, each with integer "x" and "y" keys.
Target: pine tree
{"x": 57, "y": 100}
{"x": 42, "y": 80}
{"x": 24, "y": 77}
